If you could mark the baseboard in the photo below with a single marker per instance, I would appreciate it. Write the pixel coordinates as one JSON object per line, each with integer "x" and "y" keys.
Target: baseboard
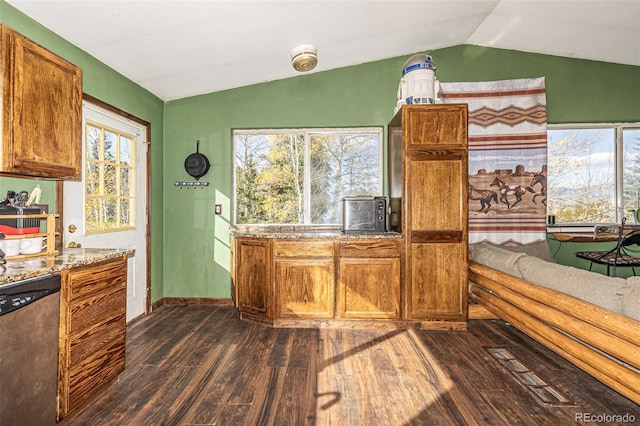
{"x": 192, "y": 301}
{"x": 480, "y": 312}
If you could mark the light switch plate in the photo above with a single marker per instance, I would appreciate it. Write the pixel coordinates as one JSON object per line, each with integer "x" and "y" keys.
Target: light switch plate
{"x": 218, "y": 209}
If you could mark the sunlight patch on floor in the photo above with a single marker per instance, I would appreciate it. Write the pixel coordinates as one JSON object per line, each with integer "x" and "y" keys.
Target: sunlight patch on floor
{"x": 385, "y": 377}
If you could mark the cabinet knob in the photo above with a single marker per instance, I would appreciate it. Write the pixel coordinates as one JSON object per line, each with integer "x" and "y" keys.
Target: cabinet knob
{"x": 72, "y": 228}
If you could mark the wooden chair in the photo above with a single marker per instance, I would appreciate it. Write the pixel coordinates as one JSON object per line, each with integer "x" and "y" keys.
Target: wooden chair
{"x": 619, "y": 255}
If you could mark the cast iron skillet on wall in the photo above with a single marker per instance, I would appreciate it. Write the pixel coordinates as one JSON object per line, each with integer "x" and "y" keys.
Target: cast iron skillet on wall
{"x": 196, "y": 164}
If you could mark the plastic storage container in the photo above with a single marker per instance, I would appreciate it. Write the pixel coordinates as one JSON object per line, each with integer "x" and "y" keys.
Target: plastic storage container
{"x": 19, "y": 226}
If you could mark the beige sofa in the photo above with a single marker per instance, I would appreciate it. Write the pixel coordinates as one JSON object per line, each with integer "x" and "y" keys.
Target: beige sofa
{"x": 590, "y": 319}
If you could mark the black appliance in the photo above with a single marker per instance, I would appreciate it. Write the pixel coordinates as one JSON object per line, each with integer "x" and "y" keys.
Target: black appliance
{"x": 29, "y": 327}
{"x": 364, "y": 214}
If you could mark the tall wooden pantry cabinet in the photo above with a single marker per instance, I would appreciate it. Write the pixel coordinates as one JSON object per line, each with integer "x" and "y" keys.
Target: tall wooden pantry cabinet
{"x": 428, "y": 176}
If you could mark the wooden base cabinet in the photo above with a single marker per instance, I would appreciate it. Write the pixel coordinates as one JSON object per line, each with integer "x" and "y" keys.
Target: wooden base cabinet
{"x": 369, "y": 280}
{"x": 304, "y": 279}
{"x": 92, "y": 331}
{"x": 308, "y": 282}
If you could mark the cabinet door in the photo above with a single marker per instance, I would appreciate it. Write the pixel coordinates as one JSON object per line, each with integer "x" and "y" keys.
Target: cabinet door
{"x": 369, "y": 288}
{"x": 253, "y": 276}
{"x": 304, "y": 288}
{"x": 304, "y": 283}
{"x": 92, "y": 331}
{"x": 436, "y": 193}
{"x": 42, "y": 111}
{"x": 369, "y": 279}
{"x": 438, "y": 285}
{"x": 97, "y": 342}
{"x": 234, "y": 296}
{"x": 436, "y": 238}
{"x": 433, "y": 127}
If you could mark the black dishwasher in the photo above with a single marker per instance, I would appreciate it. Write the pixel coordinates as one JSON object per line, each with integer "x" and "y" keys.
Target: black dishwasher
{"x": 29, "y": 326}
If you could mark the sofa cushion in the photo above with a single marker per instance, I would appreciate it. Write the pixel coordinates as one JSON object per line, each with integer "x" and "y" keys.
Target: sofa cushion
{"x": 538, "y": 249}
{"x": 496, "y": 257}
{"x": 631, "y": 301}
{"x": 606, "y": 292}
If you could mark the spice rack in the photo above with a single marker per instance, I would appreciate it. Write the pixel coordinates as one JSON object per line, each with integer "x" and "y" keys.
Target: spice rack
{"x": 50, "y": 235}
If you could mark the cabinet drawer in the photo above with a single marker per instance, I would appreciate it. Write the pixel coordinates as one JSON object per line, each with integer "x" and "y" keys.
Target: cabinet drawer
{"x": 97, "y": 310}
{"x": 303, "y": 248}
{"x": 368, "y": 249}
{"x": 86, "y": 280}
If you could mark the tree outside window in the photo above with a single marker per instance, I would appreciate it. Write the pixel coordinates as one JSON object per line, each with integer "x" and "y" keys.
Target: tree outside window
{"x": 594, "y": 173}
{"x": 109, "y": 179}
{"x": 300, "y": 176}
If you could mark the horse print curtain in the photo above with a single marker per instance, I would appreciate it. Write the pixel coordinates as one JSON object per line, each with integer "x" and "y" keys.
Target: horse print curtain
{"x": 507, "y": 158}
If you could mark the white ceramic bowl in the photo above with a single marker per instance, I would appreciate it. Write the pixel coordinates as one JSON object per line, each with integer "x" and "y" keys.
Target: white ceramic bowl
{"x": 32, "y": 245}
{"x": 10, "y": 247}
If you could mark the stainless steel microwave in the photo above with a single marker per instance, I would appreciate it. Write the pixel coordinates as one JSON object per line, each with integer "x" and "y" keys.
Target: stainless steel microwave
{"x": 364, "y": 214}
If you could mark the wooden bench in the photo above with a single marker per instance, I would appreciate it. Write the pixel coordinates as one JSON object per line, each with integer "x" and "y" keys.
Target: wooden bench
{"x": 603, "y": 343}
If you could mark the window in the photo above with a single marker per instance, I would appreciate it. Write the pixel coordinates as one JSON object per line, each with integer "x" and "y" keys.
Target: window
{"x": 299, "y": 176}
{"x": 109, "y": 179}
{"x": 594, "y": 173}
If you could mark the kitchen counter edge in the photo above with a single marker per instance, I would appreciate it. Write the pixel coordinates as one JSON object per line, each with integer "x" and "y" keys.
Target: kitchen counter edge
{"x": 303, "y": 232}
{"x": 17, "y": 270}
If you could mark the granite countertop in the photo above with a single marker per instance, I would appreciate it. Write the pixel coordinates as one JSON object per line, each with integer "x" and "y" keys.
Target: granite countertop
{"x": 16, "y": 270}
{"x": 303, "y": 232}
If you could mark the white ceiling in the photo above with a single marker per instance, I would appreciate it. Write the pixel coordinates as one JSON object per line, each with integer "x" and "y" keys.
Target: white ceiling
{"x": 179, "y": 48}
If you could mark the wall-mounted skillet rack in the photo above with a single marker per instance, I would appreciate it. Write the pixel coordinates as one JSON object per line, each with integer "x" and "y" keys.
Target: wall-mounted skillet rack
{"x": 190, "y": 184}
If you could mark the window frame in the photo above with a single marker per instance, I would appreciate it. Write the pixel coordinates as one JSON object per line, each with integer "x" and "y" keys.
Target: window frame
{"x": 118, "y": 165}
{"x": 308, "y": 132}
{"x": 618, "y": 128}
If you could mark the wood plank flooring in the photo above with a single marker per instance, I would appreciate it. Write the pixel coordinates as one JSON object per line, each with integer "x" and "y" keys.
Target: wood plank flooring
{"x": 201, "y": 365}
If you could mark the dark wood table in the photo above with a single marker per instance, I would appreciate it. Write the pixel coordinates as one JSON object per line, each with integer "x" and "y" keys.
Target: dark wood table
{"x": 584, "y": 237}
{"x": 589, "y": 237}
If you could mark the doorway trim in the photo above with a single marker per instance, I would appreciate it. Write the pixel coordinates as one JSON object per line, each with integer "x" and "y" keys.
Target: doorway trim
{"x": 60, "y": 192}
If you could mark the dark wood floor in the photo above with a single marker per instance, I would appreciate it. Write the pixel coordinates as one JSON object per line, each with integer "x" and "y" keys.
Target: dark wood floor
{"x": 201, "y": 365}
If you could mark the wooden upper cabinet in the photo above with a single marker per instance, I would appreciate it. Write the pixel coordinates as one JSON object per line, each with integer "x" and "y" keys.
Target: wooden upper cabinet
{"x": 41, "y": 111}
{"x": 434, "y": 127}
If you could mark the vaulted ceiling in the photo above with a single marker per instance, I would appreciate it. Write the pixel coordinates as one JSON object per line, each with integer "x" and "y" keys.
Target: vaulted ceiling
{"x": 177, "y": 49}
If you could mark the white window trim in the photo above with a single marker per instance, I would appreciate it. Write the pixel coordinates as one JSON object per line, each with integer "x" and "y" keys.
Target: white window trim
{"x": 307, "y": 131}
{"x": 618, "y": 126}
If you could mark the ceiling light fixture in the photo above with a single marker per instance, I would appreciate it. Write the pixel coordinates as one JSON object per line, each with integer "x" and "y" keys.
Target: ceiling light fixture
{"x": 304, "y": 57}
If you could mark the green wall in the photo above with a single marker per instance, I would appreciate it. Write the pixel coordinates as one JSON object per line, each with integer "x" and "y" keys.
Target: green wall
{"x": 196, "y": 241}
{"x": 578, "y": 91}
{"x": 107, "y": 85}
{"x": 190, "y": 245}
{"x": 48, "y": 193}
